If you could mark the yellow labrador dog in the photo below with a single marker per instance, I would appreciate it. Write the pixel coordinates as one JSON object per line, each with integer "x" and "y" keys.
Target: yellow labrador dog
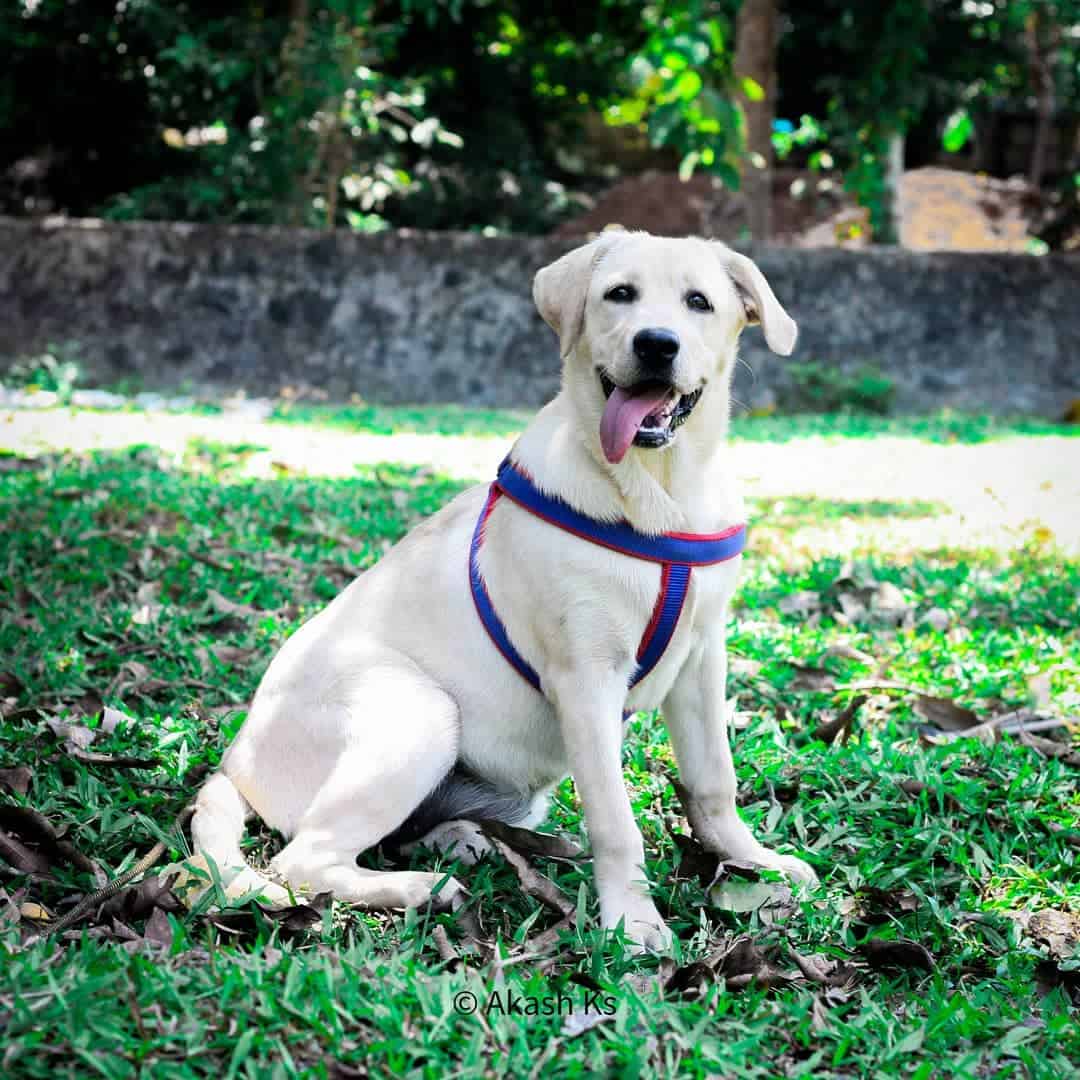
{"x": 497, "y": 647}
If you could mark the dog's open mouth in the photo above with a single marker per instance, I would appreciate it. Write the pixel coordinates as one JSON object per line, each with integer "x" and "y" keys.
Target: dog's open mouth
{"x": 645, "y": 414}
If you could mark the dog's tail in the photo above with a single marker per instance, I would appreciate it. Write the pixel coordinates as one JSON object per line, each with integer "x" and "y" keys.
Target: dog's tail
{"x": 217, "y": 829}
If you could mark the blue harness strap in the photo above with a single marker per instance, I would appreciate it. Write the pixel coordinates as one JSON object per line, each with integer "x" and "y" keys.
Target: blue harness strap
{"x": 677, "y": 554}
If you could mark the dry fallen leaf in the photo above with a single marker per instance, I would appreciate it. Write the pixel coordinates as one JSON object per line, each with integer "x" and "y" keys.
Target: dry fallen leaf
{"x": 27, "y": 825}
{"x": 23, "y": 859}
{"x": 113, "y": 720}
{"x": 841, "y": 724}
{"x": 582, "y": 1020}
{"x": 528, "y": 842}
{"x": 1058, "y": 931}
{"x": 896, "y": 952}
{"x": 16, "y": 781}
{"x": 805, "y": 602}
{"x": 158, "y": 928}
{"x": 808, "y": 677}
{"x": 1050, "y": 748}
{"x": 937, "y": 619}
{"x": 10, "y": 684}
{"x": 944, "y": 714}
{"x": 33, "y": 912}
{"x": 846, "y": 651}
{"x": 742, "y": 667}
{"x": 75, "y": 736}
{"x": 772, "y": 900}
{"x": 292, "y": 919}
{"x": 852, "y": 609}
{"x": 890, "y": 607}
{"x": 533, "y": 882}
{"x": 232, "y": 654}
{"x": 224, "y": 606}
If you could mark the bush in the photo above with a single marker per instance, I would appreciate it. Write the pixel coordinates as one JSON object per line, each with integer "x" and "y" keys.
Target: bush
{"x": 58, "y": 369}
{"x": 818, "y": 387}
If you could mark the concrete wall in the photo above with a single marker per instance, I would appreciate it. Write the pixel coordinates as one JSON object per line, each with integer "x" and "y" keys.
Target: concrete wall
{"x": 411, "y": 318}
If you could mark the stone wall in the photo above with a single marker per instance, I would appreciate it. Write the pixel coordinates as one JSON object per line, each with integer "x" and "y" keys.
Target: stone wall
{"x": 412, "y": 318}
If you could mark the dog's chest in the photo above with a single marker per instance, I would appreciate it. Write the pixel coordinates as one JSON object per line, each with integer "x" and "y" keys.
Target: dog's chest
{"x": 572, "y": 603}
{"x": 705, "y": 607}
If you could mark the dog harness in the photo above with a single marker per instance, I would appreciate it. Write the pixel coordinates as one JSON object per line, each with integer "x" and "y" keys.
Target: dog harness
{"x": 677, "y": 554}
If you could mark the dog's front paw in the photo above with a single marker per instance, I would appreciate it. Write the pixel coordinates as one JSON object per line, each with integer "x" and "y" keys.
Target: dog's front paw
{"x": 642, "y": 924}
{"x": 793, "y": 867}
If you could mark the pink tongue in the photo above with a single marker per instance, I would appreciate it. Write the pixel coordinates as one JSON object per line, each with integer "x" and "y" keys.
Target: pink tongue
{"x": 622, "y": 417}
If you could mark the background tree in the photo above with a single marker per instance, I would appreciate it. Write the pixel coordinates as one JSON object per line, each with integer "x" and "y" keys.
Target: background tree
{"x": 756, "y": 35}
{"x": 472, "y": 114}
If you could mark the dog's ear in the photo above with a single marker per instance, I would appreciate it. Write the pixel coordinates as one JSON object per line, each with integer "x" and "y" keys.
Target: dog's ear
{"x": 560, "y": 289}
{"x": 759, "y": 302}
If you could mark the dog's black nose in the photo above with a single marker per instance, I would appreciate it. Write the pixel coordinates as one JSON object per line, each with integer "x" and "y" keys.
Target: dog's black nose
{"x": 656, "y": 347}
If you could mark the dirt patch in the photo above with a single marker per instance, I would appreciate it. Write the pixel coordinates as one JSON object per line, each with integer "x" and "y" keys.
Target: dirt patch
{"x": 940, "y": 210}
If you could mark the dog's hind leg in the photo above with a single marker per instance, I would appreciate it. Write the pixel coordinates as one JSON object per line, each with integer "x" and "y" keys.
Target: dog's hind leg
{"x": 216, "y": 831}
{"x": 446, "y": 820}
{"x": 401, "y": 750}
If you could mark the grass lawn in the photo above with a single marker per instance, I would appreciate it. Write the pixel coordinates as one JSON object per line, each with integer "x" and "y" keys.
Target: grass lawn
{"x": 157, "y": 580}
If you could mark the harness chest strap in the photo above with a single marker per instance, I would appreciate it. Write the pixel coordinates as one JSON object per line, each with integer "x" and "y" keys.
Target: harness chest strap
{"x": 677, "y": 554}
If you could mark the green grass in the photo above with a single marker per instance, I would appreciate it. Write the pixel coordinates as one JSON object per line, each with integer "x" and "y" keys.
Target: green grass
{"x": 946, "y": 426}
{"x": 942, "y": 427}
{"x": 99, "y": 541}
{"x": 394, "y": 419}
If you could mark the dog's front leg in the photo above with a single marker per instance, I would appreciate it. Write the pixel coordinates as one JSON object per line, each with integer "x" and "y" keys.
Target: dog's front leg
{"x": 696, "y": 716}
{"x": 589, "y": 705}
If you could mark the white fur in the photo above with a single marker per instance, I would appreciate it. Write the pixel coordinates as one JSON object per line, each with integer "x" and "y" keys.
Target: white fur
{"x": 368, "y": 705}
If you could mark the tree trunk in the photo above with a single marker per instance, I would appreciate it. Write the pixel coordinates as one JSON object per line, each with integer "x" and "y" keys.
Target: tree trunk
{"x": 894, "y": 171}
{"x": 291, "y": 88}
{"x": 755, "y": 58}
{"x": 1040, "y": 57}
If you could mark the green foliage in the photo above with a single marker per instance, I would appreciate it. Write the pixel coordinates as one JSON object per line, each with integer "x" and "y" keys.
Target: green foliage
{"x": 786, "y": 138}
{"x": 468, "y": 113}
{"x": 958, "y": 130}
{"x": 888, "y": 45}
{"x": 916, "y": 68}
{"x": 818, "y": 387}
{"x": 57, "y": 370}
{"x": 344, "y": 112}
{"x": 683, "y": 90}
{"x": 318, "y": 136}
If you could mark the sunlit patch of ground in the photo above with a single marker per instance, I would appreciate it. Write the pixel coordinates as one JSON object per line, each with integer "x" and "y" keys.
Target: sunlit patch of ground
{"x": 996, "y": 494}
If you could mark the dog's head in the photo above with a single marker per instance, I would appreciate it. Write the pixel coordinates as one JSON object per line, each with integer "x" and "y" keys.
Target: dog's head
{"x": 648, "y": 324}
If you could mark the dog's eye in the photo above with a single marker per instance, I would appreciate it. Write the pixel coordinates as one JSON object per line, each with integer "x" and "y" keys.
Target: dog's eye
{"x": 621, "y": 294}
{"x": 696, "y": 301}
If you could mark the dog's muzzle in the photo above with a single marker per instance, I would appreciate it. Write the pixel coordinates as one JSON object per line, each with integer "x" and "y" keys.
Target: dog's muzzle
{"x": 667, "y": 410}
